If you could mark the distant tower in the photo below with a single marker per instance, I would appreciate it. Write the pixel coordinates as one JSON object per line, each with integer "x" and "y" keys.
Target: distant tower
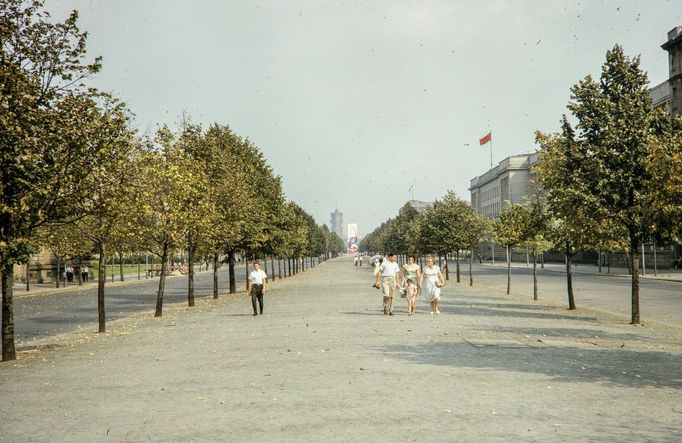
{"x": 674, "y": 48}
{"x": 336, "y": 223}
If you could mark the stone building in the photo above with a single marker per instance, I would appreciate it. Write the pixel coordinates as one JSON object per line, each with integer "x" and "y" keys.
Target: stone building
{"x": 336, "y": 222}
{"x": 510, "y": 180}
{"x": 669, "y": 93}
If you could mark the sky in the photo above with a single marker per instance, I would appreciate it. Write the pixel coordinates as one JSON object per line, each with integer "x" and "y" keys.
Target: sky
{"x": 362, "y": 105}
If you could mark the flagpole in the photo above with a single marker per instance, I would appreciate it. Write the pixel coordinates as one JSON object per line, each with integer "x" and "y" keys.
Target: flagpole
{"x": 491, "y": 150}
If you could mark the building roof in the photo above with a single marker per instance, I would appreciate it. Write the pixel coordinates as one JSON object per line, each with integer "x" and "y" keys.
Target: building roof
{"x": 513, "y": 162}
{"x": 419, "y": 205}
{"x": 674, "y": 37}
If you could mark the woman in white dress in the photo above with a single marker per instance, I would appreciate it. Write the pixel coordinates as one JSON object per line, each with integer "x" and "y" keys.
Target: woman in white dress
{"x": 431, "y": 281}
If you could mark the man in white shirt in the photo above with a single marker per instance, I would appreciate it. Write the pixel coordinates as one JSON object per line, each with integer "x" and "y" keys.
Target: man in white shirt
{"x": 258, "y": 284}
{"x": 389, "y": 273}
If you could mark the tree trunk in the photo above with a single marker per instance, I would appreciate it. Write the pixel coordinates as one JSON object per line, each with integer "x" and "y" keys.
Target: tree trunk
{"x": 246, "y": 264}
{"x": 101, "y": 280}
{"x": 279, "y": 268}
{"x": 120, "y": 265}
{"x": 190, "y": 274}
{"x": 230, "y": 268}
{"x": 608, "y": 263}
{"x": 58, "y": 271}
{"x": 535, "y": 274}
{"x": 272, "y": 267}
{"x": 447, "y": 268}
{"x": 8, "y": 351}
{"x": 215, "y": 275}
{"x": 79, "y": 272}
{"x": 28, "y": 275}
{"x": 599, "y": 256}
{"x": 508, "y": 271}
{"x": 162, "y": 282}
{"x": 456, "y": 264}
{"x": 302, "y": 264}
{"x": 634, "y": 255}
{"x": 471, "y": 275}
{"x": 569, "y": 278}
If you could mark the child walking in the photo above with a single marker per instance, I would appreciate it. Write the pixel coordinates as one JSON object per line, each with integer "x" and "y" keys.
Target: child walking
{"x": 411, "y": 295}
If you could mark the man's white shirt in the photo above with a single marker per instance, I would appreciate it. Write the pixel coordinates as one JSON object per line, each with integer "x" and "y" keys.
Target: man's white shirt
{"x": 257, "y": 277}
{"x": 389, "y": 268}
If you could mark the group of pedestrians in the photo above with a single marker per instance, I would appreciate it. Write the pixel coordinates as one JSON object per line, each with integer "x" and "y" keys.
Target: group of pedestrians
{"x": 69, "y": 273}
{"x": 414, "y": 283}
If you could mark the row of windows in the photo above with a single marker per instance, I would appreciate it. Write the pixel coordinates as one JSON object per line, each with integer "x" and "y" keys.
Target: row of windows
{"x": 490, "y": 193}
{"x": 492, "y": 209}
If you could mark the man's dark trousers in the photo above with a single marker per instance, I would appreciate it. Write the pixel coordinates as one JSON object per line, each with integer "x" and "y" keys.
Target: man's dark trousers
{"x": 257, "y": 294}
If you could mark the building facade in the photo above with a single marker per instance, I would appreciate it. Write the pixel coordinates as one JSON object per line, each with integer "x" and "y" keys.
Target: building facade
{"x": 674, "y": 48}
{"x": 336, "y": 222}
{"x": 510, "y": 180}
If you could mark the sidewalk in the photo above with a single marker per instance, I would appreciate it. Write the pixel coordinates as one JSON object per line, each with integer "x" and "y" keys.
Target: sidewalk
{"x": 325, "y": 364}
{"x": 666, "y": 274}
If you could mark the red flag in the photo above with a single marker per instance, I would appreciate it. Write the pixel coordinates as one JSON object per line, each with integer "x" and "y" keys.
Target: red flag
{"x": 486, "y": 139}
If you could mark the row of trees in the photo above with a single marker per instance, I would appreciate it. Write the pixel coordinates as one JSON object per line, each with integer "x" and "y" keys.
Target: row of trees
{"x": 449, "y": 225}
{"x": 76, "y": 177}
{"x": 608, "y": 183}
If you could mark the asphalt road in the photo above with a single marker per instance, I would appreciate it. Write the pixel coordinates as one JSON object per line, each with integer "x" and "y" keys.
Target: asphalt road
{"x": 660, "y": 300}
{"x": 44, "y": 314}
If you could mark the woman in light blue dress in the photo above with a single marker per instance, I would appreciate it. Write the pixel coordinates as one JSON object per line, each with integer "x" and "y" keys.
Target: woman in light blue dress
{"x": 431, "y": 282}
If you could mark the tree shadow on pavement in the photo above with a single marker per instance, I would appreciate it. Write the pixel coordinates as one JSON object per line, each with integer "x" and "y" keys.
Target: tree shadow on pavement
{"x": 578, "y": 333}
{"x": 457, "y": 307}
{"x": 564, "y": 364}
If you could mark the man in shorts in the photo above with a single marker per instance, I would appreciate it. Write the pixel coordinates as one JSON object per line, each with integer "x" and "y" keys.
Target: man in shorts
{"x": 388, "y": 276}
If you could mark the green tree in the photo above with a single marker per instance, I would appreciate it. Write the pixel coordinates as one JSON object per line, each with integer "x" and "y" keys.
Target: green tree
{"x": 230, "y": 195}
{"x": 476, "y": 226}
{"x": 616, "y": 124}
{"x": 536, "y": 232}
{"x": 508, "y": 231}
{"x": 163, "y": 199}
{"x": 200, "y": 209}
{"x": 42, "y": 160}
{"x": 664, "y": 169}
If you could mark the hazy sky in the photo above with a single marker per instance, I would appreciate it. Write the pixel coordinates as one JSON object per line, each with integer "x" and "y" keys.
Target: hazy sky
{"x": 353, "y": 102}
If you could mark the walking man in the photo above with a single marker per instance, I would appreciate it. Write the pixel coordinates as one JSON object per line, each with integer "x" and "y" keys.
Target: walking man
{"x": 258, "y": 284}
{"x": 388, "y": 275}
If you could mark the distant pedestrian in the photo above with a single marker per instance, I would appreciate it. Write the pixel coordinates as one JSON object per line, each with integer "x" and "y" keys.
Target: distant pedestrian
{"x": 389, "y": 273}
{"x": 69, "y": 274}
{"x": 377, "y": 263}
{"x": 258, "y": 284}
{"x": 411, "y": 295}
{"x": 85, "y": 273}
{"x": 431, "y": 282}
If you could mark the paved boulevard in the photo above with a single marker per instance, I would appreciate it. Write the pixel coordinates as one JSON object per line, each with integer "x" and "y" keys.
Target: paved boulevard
{"x": 43, "y": 315}
{"x": 324, "y": 364}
